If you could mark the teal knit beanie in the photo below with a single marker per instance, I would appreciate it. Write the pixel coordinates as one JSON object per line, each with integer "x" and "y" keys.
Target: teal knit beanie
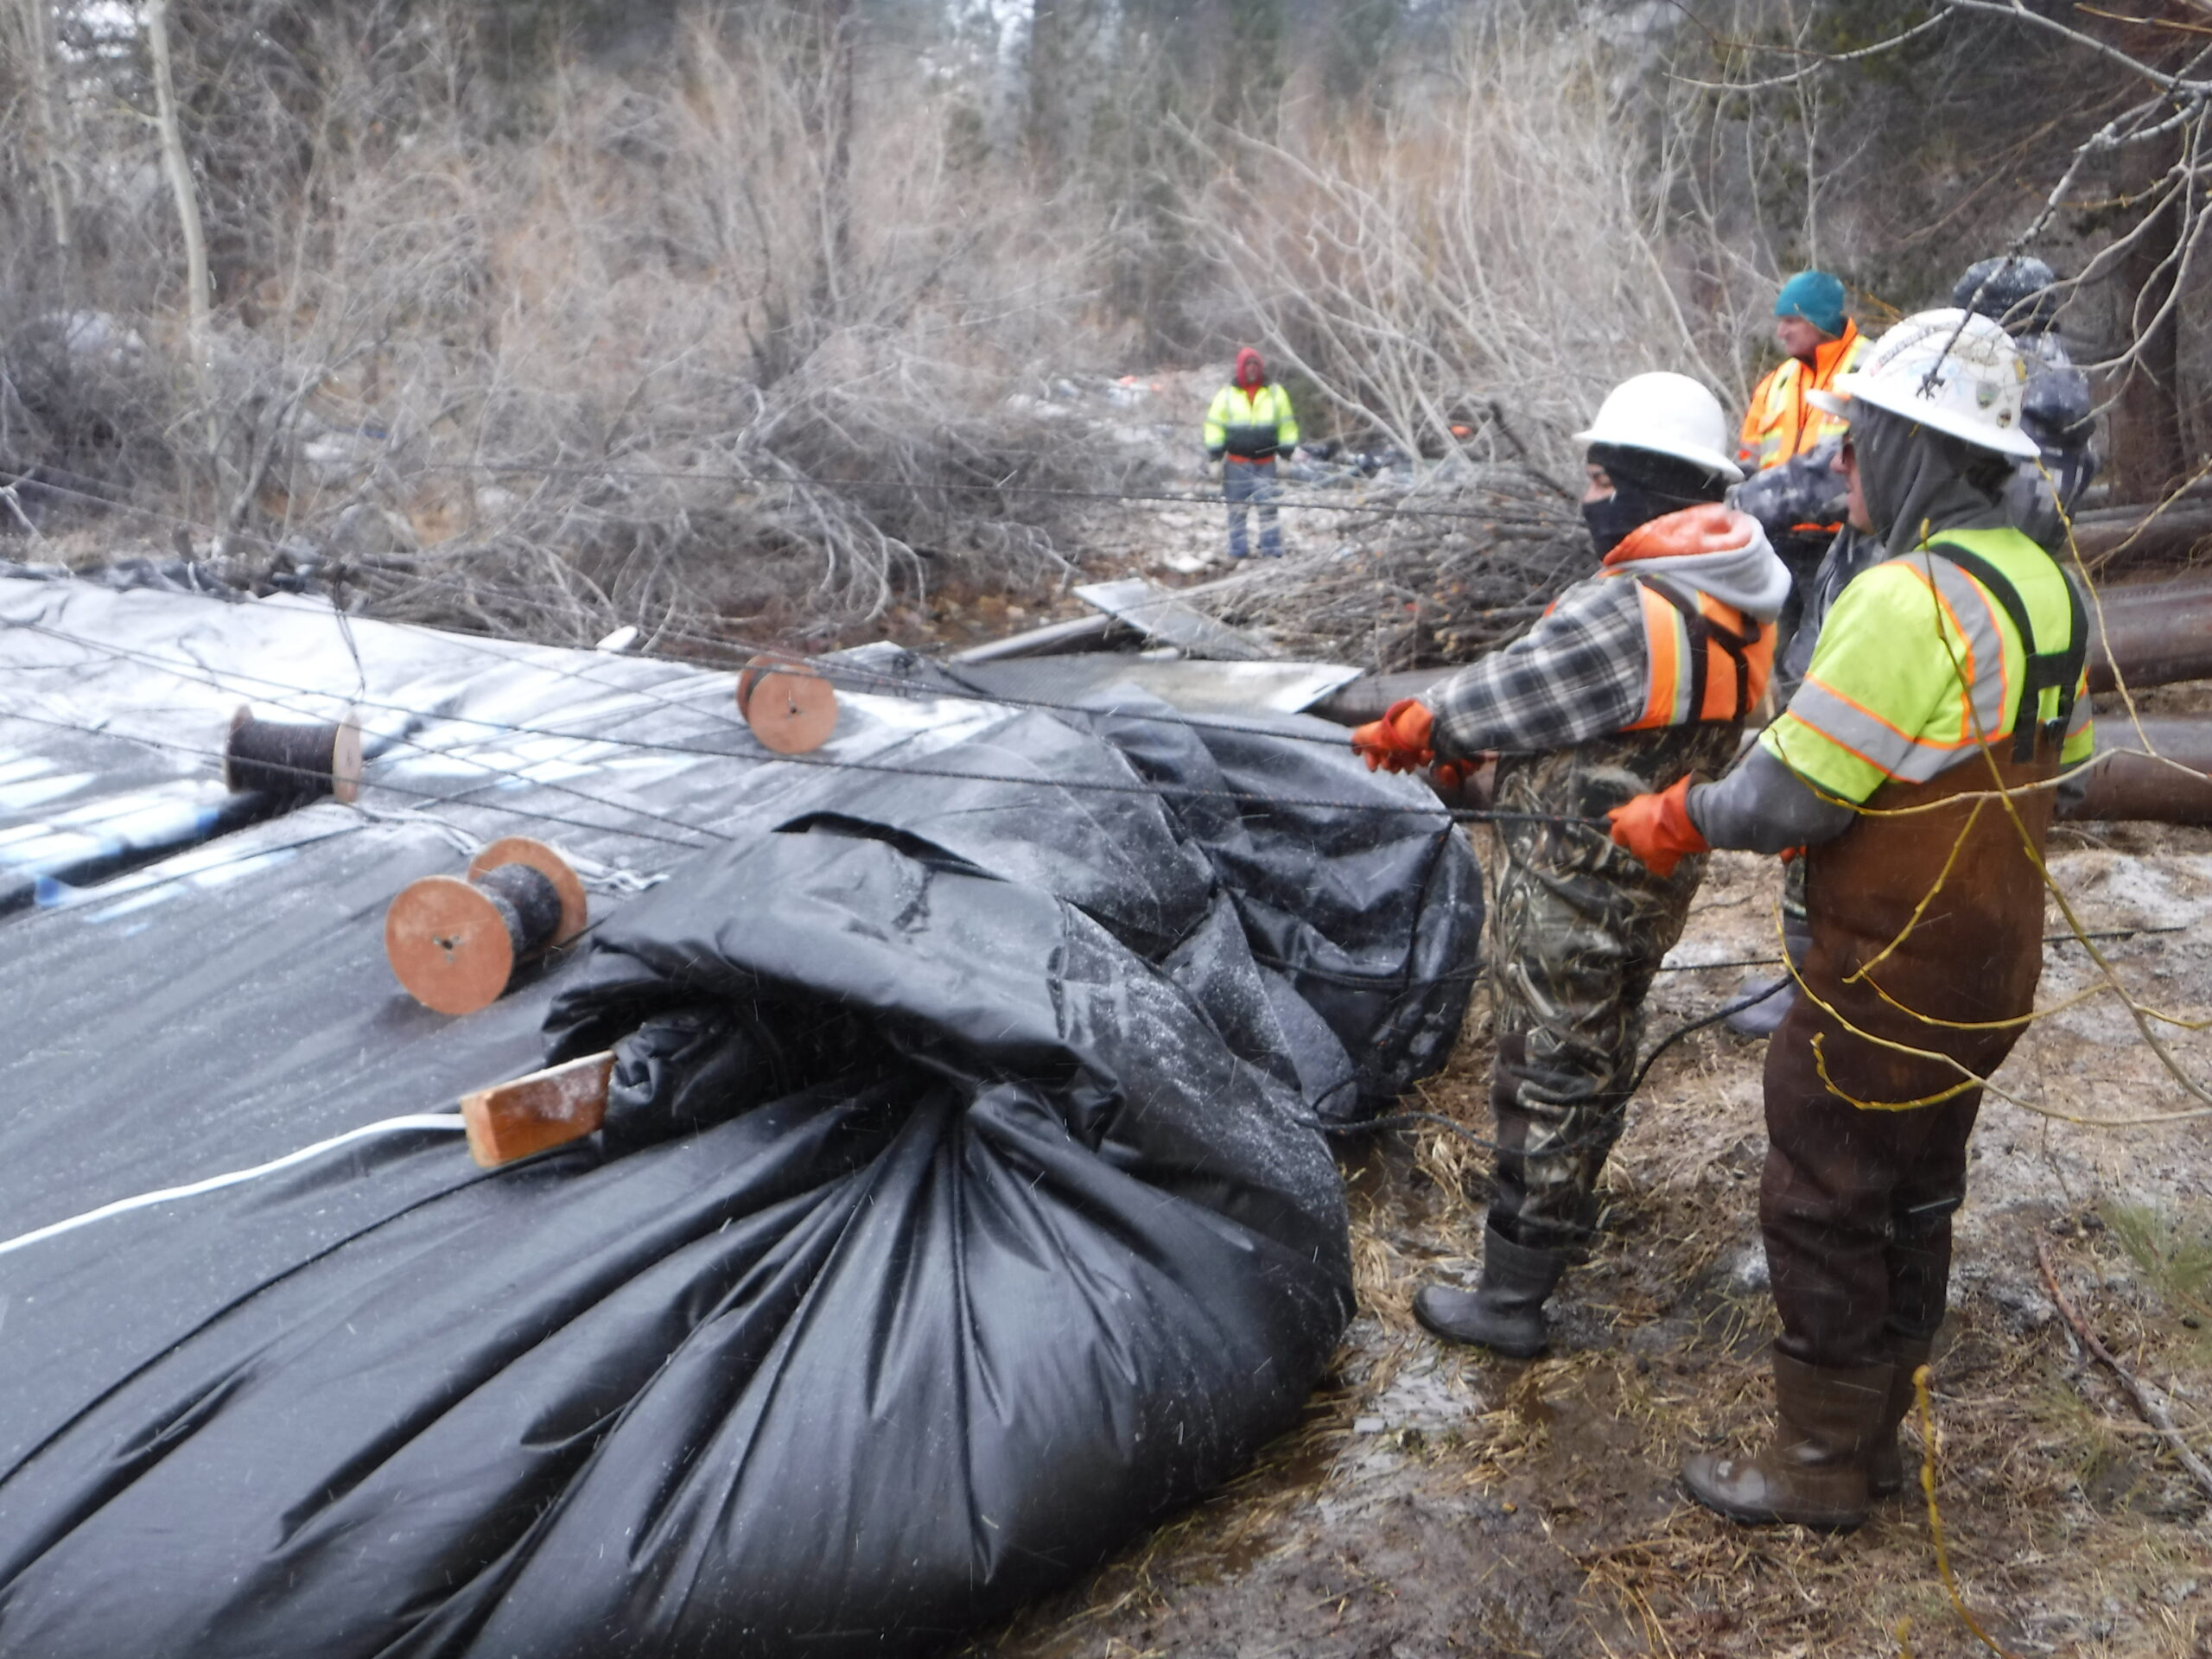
{"x": 1815, "y": 296}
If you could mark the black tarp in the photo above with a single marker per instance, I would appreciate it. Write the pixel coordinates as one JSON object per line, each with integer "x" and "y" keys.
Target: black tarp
{"x": 962, "y": 1209}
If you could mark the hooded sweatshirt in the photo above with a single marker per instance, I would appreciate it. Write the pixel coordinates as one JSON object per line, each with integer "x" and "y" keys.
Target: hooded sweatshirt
{"x": 1584, "y": 671}
{"x": 1916, "y": 482}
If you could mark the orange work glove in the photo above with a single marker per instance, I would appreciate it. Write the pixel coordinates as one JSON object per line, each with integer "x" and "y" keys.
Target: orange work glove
{"x": 1398, "y": 741}
{"x": 1657, "y": 829}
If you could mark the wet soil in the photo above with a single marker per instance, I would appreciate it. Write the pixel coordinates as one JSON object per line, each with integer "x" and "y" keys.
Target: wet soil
{"x": 1438, "y": 1502}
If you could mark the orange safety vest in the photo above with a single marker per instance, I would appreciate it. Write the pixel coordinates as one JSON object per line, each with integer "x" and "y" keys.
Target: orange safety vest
{"x": 1780, "y": 425}
{"x": 1708, "y": 660}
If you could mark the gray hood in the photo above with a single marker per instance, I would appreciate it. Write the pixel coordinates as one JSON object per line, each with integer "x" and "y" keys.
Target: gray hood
{"x": 1913, "y": 484}
{"x": 1715, "y": 549}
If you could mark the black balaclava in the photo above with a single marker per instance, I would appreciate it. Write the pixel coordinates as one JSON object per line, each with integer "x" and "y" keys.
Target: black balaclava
{"x": 1646, "y": 485}
{"x": 1919, "y": 483}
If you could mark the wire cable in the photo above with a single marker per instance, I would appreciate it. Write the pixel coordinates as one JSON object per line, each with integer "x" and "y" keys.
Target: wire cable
{"x": 460, "y": 798}
{"x": 214, "y": 679}
{"x": 230, "y": 680}
{"x": 739, "y": 651}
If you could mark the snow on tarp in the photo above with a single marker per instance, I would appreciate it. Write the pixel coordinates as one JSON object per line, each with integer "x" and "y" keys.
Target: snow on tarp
{"x": 960, "y": 1209}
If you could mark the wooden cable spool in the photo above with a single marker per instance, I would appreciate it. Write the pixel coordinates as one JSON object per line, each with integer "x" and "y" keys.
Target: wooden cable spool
{"x": 454, "y": 944}
{"x": 292, "y": 764}
{"x": 791, "y": 706}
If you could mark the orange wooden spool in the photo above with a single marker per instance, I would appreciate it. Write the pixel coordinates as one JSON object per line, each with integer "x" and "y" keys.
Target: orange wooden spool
{"x": 790, "y": 707}
{"x": 454, "y": 944}
{"x": 295, "y": 763}
{"x": 749, "y": 676}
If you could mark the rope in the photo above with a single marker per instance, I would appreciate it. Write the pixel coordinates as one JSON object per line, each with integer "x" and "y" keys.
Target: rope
{"x": 418, "y": 1122}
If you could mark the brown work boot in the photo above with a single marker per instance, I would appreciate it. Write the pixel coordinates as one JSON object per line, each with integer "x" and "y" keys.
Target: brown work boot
{"x": 1885, "y": 1470}
{"x": 1504, "y": 1313}
{"x": 1814, "y": 1473}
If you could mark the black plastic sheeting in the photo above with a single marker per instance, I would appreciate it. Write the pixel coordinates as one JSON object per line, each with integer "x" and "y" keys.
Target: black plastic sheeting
{"x": 961, "y": 1210}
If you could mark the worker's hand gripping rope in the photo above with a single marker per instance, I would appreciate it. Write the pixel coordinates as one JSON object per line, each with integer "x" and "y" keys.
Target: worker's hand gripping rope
{"x": 1399, "y": 741}
{"x": 1657, "y": 829}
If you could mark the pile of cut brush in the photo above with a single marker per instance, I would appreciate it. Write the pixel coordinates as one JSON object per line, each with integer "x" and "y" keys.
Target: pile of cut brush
{"x": 1466, "y": 565}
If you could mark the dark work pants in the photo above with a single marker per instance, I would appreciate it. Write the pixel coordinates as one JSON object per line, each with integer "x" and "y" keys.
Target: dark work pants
{"x": 1856, "y": 1208}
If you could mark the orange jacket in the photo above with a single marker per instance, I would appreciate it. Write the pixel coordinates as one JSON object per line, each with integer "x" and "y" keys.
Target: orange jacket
{"x": 1780, "y": 424}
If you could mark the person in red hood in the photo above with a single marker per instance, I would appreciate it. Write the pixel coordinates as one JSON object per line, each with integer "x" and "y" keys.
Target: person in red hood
{"x": 1249, "y": 424}
{"x": 1639, "y": 675}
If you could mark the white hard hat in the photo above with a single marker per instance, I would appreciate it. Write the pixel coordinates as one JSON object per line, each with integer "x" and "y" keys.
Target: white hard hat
{"x": 1949, "y": 371}
{"x": 1669, "y": 415}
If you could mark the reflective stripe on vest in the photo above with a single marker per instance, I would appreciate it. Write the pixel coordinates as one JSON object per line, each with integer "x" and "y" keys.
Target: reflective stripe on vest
{"x": 2057, "y": 671}
{"x": 1785, "y": 424}
{"x": 1708, "y": 661}
{"x": 1978, "y": 614}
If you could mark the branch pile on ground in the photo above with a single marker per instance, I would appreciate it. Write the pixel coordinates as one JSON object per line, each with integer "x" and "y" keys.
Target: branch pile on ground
{"x": 1420, "y": 591}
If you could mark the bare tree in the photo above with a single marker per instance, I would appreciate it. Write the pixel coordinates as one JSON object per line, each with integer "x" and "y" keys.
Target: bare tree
{"x": 48, "y": 120}
{"x": 177, "y": 167}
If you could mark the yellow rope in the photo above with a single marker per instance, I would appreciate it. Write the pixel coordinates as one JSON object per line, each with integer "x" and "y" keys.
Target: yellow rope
{"x": 2141, "y": 1016}
{"x": 2027, "y": 1019}
{"x": 1820, "y": 1066}
{"x": 1929, "y": 1446}
{"x": 1966, "y": 1071}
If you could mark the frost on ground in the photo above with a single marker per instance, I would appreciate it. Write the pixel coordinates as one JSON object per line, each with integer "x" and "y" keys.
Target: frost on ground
{"x": 1438, "y": 1502}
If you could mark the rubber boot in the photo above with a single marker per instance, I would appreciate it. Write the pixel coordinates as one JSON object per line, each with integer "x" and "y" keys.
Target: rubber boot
{"x": 1504, "y": 1313}
{"x": 1885, "y": 1470}
{"x": 1764, "y": 1017}
{"x": 1814, "y": 1473}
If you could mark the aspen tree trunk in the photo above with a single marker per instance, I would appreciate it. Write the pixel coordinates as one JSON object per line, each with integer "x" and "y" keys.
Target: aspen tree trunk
{"x": 178, "y": 169}
{"x": 39, "y": 54}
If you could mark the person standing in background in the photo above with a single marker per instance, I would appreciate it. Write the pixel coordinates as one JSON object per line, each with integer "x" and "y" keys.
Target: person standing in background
{"x": 1784, "y": 421}
{"x": 1249, "y": 424}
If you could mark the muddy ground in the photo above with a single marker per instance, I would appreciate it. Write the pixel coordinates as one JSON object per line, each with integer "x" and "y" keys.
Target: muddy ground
{"x": 1438, "y": 1502}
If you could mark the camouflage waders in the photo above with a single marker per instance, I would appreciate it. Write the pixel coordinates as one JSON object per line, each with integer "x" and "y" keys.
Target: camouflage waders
{"x": 1581, "y": 926}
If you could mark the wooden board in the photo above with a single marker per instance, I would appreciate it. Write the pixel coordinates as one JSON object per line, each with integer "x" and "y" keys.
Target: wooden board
{"x": 535, "y": 1114}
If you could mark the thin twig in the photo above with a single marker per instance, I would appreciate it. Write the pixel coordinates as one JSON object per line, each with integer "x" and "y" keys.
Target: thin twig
{"x": 2145, "y": 1400}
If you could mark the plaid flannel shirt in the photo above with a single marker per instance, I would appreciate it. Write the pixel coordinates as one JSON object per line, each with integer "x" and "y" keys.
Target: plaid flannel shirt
{"x": 1579, "y": 673}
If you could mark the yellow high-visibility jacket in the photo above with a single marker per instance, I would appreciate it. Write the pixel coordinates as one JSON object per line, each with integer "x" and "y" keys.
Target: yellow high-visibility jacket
{"x": 1921, "y": 662}
{"x": 1250, "y": 425}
